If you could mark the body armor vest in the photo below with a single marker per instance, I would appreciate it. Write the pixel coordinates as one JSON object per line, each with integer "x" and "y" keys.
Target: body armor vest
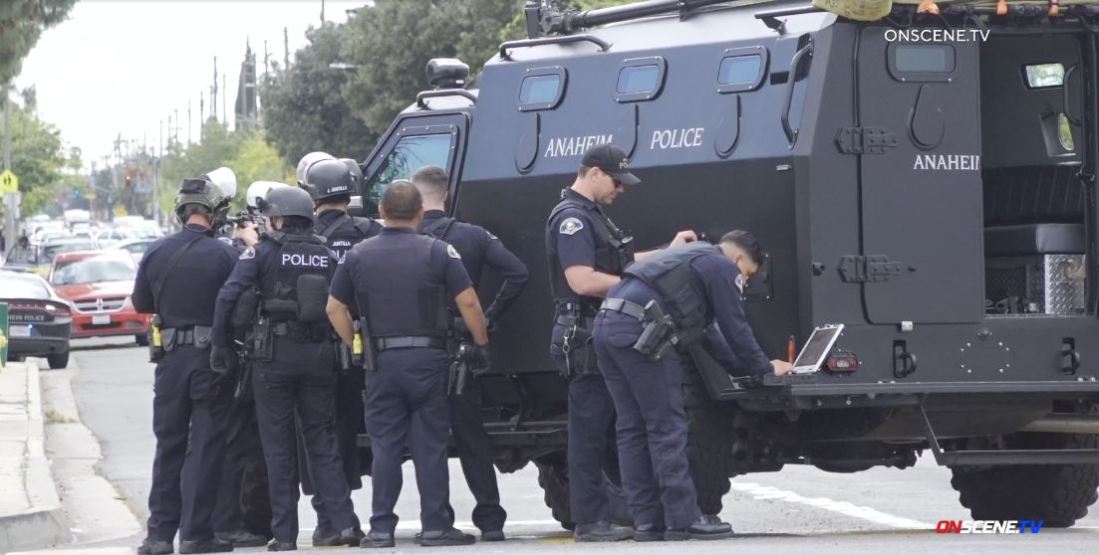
{"x": 613, "y": 252}
{"x": 397, "y": 289}
{"x": 298, "y": 255}
{"x": 682, "y": 295}
{"x": 345, "y": 232}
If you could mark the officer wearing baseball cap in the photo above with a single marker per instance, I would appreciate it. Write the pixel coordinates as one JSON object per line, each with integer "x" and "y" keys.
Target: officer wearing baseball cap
{"x": 294, "y": 354}
{"x": 586, "y": 254}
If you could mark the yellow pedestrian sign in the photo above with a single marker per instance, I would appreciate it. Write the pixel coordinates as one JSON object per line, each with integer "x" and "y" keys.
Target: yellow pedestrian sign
{"x": 9, "y": 183}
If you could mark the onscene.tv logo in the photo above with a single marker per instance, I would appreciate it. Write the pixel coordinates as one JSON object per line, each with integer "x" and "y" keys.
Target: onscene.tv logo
{"x": 989, "y": 526}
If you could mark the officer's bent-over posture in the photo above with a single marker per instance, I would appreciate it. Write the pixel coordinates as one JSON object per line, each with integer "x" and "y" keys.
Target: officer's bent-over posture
{"x": 478, "y": 248}
{"x": 586, "y": 254}
{"x": 330, "y": 184}
{"x": 176, "y": 281}
{"x": 401, "y": 282}
{"x": 294, "y": 361}
{"x": 673, "y": 297}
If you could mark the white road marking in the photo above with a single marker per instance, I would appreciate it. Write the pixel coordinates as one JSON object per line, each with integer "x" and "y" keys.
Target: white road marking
{"x": 762, "y": 492}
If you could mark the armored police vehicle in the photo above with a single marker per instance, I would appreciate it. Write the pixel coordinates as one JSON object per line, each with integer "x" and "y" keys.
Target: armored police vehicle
{"x": 926, "y": 180}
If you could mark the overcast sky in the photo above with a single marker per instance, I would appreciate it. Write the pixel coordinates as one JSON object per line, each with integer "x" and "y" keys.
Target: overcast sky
{"x": 123, "y": 66}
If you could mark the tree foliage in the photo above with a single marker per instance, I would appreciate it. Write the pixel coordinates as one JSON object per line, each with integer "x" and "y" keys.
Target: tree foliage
{"x": 21, "y": 24}
{"x": 46, "y": 169}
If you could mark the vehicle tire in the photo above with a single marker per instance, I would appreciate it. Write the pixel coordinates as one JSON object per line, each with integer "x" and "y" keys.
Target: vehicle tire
{"x": 1059, "y": 494}
{"x": 553, "y": 477}
{"x": 142, "y": 340}
{"x": 58, "y": 361}
{"x": 709, "y": 441}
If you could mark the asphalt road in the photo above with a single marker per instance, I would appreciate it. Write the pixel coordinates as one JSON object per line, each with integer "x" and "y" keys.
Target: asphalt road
{"x": 796, "y": 510}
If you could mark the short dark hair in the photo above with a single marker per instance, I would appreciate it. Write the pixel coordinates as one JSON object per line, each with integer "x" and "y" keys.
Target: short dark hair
{"x": 433, "y": 179}
{"x": 745, "y": 241}
{"x": 296, "y": 224}
{"x": 192, "y": 208}
{"x": 402, "y": 201}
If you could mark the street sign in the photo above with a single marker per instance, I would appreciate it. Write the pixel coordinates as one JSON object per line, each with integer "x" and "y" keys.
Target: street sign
{"x": 9, "y": 183}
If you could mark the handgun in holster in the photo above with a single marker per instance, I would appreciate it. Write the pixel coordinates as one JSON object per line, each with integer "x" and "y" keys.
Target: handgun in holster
{"x": 263, "y": 339}
{"x": 459, "y": 368}
{"x": 657, "y": 332}
{"x": 576, "y": 342}
{"x": 156, "y": 340}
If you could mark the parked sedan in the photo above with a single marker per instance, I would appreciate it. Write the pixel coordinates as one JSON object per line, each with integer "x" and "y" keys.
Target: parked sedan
{"x": 99, "y": 283}
{"x": 39, "y": 321}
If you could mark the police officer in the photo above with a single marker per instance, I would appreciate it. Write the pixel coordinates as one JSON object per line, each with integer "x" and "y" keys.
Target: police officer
{"x": 294, "y": 360}
{"x": 586, "y": 254}
{"x": 477, "y": 248}
{"x": 400, "y": 282}
{"x": 176, "y": 281}
{"x": 330, "y": 183}
{"x": 671, "y": 298}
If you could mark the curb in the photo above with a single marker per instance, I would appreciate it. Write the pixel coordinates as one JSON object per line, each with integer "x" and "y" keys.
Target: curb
{"x": 44, "y": 524}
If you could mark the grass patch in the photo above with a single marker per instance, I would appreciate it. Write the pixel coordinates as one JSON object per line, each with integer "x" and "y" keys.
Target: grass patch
{"x": 54, "y": 417}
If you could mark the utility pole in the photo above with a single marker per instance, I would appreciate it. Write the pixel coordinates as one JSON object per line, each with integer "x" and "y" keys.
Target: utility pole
{"x": 11, "y": 200}
{"x": 285, "y": 48}
{"x": 201, "y": 114}
{"x": 214, "y": 92}
{"x": 188, "y": 123}
{"x": 176, "y": 133}
{"x": 156, "y": 175}
{"x": 224, "y": 115}
{"x": 322, "y": 13}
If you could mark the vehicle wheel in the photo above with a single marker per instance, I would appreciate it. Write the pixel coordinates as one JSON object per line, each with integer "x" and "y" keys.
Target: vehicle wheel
{"x": 709, "y": 441}
{"x": 553, "y": 477}
{"x": 1059, "y": 494}
{"x": 142, "y": 340}
{"x": 58, "y": 361}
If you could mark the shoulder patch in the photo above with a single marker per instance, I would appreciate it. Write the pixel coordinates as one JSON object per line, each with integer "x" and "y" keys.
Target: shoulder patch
{"x": 570, "y": 226}
{"x": 248, "y": 254}
{"x": 491, "y": 237}
{"x": 452, "y": 252}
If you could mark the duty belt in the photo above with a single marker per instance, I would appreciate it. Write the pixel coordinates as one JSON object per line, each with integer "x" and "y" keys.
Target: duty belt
{"x": 629, "y": 308}
{"x": 405, "y": 342}
{"x": 186, "y": 336}
{"x": 297, "y": 331}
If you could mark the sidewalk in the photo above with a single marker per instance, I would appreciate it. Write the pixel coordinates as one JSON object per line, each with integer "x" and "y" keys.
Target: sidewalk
{"x": 30, "y": 512}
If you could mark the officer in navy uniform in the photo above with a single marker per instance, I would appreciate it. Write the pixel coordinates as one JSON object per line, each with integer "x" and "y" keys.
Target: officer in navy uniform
{"x": 586, "y": 254}
{"x": 330, "y": 183}
{"x": 401, "y": 283}
{"x": 689, "y": 288}
{"x": 294, "y": 357}
{"x": 478, "y": 248}
{"x": 176, "y": 281}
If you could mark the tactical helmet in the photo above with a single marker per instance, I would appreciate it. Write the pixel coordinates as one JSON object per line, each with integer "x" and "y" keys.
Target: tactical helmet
{"x": 203, "y": 192}
{"x": 309, "y": 160}
{"x": 257, "y": 191}
{"x": 225, "y": 178}
{"x": 288, "y": 201}
{"x": 329, "y": 178}
{"x": 356, "y": 171}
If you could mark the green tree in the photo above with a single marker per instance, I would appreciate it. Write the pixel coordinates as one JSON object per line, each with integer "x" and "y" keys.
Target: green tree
{"x": 302, "y": 106}
{"x": 45, "y": 168}
{"x": 392, "y": 42}
{"x": 21, "y": 24}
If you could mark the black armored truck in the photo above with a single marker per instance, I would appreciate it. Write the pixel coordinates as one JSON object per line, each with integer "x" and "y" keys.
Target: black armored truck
{"x": 926, "y": 179}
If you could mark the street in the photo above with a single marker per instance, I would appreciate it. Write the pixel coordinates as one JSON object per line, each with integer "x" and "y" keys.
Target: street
{"x": 795, "y": 510}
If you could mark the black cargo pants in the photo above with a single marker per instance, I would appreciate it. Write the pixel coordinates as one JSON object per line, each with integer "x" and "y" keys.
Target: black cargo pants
{"x": 190, "y": 409}
{"x": 244, "y": 469}
{"x": 349, "y": 424}
{"x": 652, "y": 425}
{"x": 406, "y": 404}
{"x": 300, "y": 380}
{"x": 475, "y": 453}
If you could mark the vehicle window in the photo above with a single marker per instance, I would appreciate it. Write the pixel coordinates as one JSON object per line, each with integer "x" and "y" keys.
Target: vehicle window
{"x": 411, "y": 153}
{"x": 924, "y": 58}
{"x": 23, "y": 288}
{"x": 50, "y": 251}
{"x": 1040, "y": 76}
{"x": 639, "y": 79}
{"x": 539, "y": 89}
{"x": 137, "y": 247}
{"x": 740, "y": 71}
{"x": 93, "y": 270}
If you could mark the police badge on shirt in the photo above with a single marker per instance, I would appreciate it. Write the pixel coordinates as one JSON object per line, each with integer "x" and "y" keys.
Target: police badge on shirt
{"x": 569, "y": 226}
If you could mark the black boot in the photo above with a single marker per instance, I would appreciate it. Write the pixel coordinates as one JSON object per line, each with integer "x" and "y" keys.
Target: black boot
{"x": 707, "y": 527}
{"x": 441, "y": 538}
{"x": 276, "y": 545}
{"x": 602, "y": 531}
{"x": 493, "y": 536}
{"x": 187, "y": 547}
{"x": 648, "y": 533}
{"x": 376, "y": 540}
{"x": 242, "y": 538}
{"x": 155, "y": 547}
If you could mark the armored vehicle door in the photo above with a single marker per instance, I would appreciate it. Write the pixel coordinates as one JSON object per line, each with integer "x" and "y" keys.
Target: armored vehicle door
{"x": 415, "y": 140}
{"x": 919, "y": 142}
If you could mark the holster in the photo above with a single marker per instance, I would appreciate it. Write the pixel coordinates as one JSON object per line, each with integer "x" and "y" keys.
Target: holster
{"x": 657, "y": 332}
{"x": 263, "y": 340}
{"x": 575, "y": 345}
{"x": 362, "y": 348}
{"x": 156, "y": 339}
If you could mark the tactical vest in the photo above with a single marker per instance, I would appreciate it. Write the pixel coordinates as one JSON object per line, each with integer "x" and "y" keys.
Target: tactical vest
{"x": 439, "y": 228}
{"x": 345, "y": 232}
{"x": 298, "y": 255}
{"x": 397, "y": 288}
{"x": 613, "y": 252}
{"x": 682, "y": 295}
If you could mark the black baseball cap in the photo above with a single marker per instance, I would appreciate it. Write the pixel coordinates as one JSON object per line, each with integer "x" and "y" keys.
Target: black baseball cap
{"x": 612, "y": 161}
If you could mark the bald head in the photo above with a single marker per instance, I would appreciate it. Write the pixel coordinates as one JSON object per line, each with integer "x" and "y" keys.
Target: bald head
{"x": 402, "y": 204}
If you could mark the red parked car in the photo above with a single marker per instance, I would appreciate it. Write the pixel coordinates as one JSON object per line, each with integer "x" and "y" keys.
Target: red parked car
{"x": 99, "y": 283}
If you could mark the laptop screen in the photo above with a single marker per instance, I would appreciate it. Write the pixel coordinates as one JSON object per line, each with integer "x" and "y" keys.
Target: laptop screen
{"x": 812, "y": 355}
